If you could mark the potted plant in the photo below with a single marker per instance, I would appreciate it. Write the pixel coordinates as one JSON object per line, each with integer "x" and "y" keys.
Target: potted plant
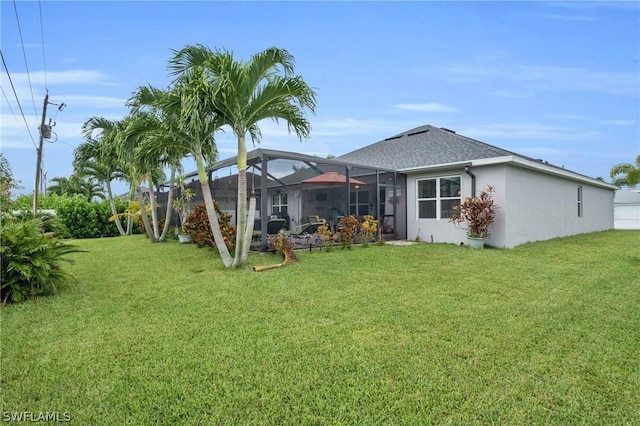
{"x": 475, "y": 214}
{"x": 182, "y": 205}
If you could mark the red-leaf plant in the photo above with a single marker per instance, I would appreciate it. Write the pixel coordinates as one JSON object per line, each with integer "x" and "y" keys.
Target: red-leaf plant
{"x": 475, "y": 214}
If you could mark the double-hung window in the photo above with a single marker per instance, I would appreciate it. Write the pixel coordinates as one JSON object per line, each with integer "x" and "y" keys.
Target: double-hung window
{"x": 437, "y": 196}
{"x": 279, "y": 203}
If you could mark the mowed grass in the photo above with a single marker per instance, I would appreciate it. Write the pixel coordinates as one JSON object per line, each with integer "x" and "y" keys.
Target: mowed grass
{"x": 547, "y": 333}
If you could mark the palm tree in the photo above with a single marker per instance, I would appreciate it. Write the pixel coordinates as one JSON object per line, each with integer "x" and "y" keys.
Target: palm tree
{"x": 76, "y": 185}
{"x": 626, "y": 174}
{"x": 167, "y": 144}
{"x": 135, "y": 140}
{"x": 161, "y": 144}
{"x": 94, "y": 158}
{"x": 244, "y": 94}
{"x": 108, "y": 133}
{"x": 186, "y": 110}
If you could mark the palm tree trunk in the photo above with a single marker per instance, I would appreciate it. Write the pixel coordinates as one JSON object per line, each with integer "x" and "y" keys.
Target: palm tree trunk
{"x": 248, "y": 235}
{"x": 167, "y": 217}
{"x": 154, "y": 210}
{"x": 145, "y": 217}
{"x": 114, "y": 210}
{"x": 132, "y": 197}
{"x": 241, "y": 216}
{"x": 227, "y": 260}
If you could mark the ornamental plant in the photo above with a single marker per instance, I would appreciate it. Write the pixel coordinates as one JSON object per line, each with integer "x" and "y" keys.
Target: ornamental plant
{"x": 348, "y": 226}
{"x": 368, "y": 228}
{"x": 475, "y": 214}
{"x": 182, "y": 204}
{"x": 198, "y": 227}
{"x": 327, "y": 235}
{"x": 31, "y": 260}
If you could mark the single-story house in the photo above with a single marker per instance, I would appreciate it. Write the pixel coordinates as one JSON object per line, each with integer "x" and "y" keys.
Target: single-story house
{"x": 626, "y": 213}
{"x": 411, "y": 181}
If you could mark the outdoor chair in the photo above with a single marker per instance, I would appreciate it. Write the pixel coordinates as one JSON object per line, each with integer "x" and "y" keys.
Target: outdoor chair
{"x": 300, "y": 241}
{"x": 314, "y": 218}
{"x": 275, "y": 225}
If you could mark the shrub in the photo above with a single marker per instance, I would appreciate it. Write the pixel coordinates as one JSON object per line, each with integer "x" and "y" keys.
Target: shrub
{"x": 200, "y": 230}
{"x": 51, "y": 224}
{"x": 475, "y": 214}
{"x": 86, "y": 219}
{"x": 368, "y": 229}
{"x": 348, "y": 226}
{"x": 82, "y": 218}
{"x": 31, "y": 260}
{"x": 328, "y": 237}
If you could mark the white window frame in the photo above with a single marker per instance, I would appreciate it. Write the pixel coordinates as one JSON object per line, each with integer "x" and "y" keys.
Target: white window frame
{"x": 438, "y": 199}
{"x": 276, "y": 202}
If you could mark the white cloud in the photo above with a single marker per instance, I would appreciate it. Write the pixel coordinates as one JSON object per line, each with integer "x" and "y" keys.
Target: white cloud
{"x": 559, "y": 17}
{"x": 529, "y": 131}
{"x": 73, "y": 76}
{"x": 619, "y": 122}
{"x": 15, "y": 133}
{"x": 94, "y": 101}
{"x": 510, "y": 94}
{"x": 425, "y": 107}
{"x": 550, "y": 78}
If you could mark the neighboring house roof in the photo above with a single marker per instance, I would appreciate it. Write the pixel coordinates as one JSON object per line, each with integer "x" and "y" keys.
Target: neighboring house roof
{"x": 428, "y": 147}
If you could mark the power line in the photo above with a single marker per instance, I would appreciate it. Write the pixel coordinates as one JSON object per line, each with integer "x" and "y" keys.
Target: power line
{"x": 44, "y": 61}
{"x": 8, "y": 104}
{"x": 17, "y": 100}
{"x": 24, "y": 53}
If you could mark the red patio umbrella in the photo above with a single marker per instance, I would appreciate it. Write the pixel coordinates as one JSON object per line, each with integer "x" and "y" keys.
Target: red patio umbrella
{"x": 332, "y": 178}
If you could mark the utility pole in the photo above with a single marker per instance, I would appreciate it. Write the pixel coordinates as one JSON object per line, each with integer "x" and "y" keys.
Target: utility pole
{"x": 39, "y": 161}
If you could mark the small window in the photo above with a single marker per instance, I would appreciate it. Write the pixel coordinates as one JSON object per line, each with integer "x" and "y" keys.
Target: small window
{"x": 579, "y": 200}
{"x": 437, "y": 197}
{"x": 359, "y": 202}
{"x": 279, "y": 202}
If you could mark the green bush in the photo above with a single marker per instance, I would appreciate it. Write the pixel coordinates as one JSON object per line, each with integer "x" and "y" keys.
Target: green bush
{"x": 82, "y": 218}
{"x": 31, "y": 260}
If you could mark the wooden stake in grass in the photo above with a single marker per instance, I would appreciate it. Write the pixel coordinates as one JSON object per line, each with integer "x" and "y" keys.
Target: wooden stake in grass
{"x": 282, "y": 244}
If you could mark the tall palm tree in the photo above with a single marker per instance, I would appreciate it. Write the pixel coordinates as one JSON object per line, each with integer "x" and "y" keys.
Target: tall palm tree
{"x": 132, "y": 146}
{"x": 161, "y": 144}
{"x": 93, "y": 158}
{"x": 244, "y": 94}
{"x": 186, "y": 111}
{"x": 110, "y": 133}
{"x": 626, "y": 174}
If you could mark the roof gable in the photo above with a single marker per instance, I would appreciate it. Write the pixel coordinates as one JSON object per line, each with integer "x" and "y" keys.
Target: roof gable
{"x": 421, "y": 147}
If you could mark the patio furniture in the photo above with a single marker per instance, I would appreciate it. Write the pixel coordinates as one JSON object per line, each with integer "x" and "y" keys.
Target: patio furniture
{"x": 275, "y": 225}
{"x": 314, "y": 218}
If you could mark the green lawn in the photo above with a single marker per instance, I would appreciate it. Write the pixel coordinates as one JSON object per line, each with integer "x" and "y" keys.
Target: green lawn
{"x": 547, "y": 333}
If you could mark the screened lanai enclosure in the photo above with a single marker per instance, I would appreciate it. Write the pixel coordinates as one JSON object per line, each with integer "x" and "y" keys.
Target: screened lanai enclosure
{"x": 295, "y": 191}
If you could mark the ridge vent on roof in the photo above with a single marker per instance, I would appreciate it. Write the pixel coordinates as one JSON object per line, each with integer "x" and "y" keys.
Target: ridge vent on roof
{"x": 418, "y": 132}
{"x": 447, "y": 130}
{"x": 393, "y": 137}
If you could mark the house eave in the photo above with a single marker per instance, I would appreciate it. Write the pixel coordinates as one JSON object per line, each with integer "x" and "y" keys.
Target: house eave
{"x": 435, "y": 167}
{"x": 515, "y": 161}
{"x": 542, "y": 168}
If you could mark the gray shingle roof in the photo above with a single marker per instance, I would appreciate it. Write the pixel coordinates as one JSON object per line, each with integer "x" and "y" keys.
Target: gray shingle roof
{"x": 421, "y": 147}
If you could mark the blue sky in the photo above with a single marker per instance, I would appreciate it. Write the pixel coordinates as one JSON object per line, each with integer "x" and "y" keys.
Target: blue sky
{"x": 553, "y": 80}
